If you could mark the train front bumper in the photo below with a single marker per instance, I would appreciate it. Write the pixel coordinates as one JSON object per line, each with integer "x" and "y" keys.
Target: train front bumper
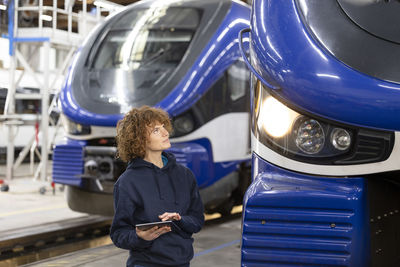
{"x": 294, "y": 218}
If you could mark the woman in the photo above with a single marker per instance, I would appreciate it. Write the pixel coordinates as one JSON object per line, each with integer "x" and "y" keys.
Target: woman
{"x": 153, "y": 188}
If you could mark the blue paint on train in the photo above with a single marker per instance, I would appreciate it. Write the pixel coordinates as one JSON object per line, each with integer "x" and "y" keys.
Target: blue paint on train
{"x": 328, "y": 88}
{"x": 331, "y": 206}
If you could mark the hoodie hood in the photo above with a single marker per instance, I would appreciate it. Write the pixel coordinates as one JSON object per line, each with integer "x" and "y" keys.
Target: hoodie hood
{"x": 139, "y": 162}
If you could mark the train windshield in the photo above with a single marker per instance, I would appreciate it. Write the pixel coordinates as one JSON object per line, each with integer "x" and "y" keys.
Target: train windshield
{"x": 142, "y": 50}
{"x": 165, "y": 48}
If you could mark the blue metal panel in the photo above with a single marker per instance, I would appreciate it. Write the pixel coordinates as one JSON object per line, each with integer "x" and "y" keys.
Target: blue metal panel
{"x": 217, "y": 170}
{"x": 197, "y": 156}
{"x": 286, "y": 55}
{"x": 11, "y": 28}
{"x": 68, "y": 163}
{"x": 295, "y": 219}
{"x": 221, "y": 52}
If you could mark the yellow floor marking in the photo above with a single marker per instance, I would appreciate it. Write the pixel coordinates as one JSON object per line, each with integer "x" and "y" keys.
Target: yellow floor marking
{"x": 236, "y": 209}
{"x": 33, "y": 210}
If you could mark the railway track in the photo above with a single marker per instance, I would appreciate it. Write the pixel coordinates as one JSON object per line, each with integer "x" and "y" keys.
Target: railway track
{"x": 26, "y": 245}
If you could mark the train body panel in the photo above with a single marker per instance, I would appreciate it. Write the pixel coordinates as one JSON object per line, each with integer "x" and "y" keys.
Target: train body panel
{"x": 310, "y": 77}
{"x": 179, "y": 56}
{"x": 325, "y": 135}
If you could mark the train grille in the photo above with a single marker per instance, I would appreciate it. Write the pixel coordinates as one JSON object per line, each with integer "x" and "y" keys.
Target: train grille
{"x": 370, "y": 147}
{"x": 296, "y": 236}
{"x": 68, "y": 164}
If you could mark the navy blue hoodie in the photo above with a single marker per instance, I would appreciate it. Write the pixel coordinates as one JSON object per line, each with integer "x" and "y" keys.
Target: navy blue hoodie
{"x": 141, "y": 194}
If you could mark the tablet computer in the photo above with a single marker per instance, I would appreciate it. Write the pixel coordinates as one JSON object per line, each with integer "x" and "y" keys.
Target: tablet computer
{"x": 146, "y": 226}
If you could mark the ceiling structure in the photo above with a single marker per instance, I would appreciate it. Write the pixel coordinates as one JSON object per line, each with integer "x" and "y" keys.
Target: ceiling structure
{"x": 29, "y": 18}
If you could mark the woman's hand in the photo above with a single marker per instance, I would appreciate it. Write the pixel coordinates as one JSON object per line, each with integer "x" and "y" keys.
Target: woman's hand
{"x": 170, "y": 216}
{"x": 152, "y": 233}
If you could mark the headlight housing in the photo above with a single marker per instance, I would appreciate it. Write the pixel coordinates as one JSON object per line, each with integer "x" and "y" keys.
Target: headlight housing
{"x": 182, "y": 124}
{"x": 74, "y": 128}
{"x": 309, "y": 139}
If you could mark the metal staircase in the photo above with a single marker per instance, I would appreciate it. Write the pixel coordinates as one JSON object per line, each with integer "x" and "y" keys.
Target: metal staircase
{"x": 58, "y": 32}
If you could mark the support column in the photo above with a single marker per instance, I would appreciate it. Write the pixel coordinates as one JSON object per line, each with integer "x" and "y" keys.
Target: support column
{"x": 45, "y": 116}
{"x": 10, "y": 109}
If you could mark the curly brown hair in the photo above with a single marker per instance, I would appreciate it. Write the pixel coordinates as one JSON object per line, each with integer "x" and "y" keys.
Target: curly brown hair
{"x": 133, "y": 133}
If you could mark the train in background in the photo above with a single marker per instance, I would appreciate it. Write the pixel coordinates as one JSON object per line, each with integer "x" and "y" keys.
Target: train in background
{"x": 325, "y": 134}
{"x": 30, "y": 110}
{"x": 181, "y": 56}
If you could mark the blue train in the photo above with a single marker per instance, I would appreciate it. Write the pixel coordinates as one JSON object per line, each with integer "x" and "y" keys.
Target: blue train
{"x": 182, "y": 56}
{"x": 325, "y": 104}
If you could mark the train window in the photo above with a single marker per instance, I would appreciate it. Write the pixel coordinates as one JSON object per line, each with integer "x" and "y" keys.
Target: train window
{"x": 159, "y": 39}
{"x": 163, "y": 16}
{"x": 129, "y": 20}
{"x": 230, "y": 93}
{"x": 3, "y": 96}
{"x": 238, "y": 80}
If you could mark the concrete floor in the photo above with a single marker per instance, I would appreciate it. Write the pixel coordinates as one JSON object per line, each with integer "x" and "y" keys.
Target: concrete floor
{"x": 23, "y": 205}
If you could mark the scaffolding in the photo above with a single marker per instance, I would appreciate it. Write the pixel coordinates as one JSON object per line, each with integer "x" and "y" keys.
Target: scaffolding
{"x": 42, "y": 38}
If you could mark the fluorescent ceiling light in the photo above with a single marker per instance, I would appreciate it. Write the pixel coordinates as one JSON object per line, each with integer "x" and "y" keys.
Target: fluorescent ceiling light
{"x": 106, "y": 5}
{"x": 47, "y": 18}
{"x": 3, "y": 7}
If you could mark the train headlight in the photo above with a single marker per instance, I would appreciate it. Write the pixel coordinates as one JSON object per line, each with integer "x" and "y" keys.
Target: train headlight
{"x": 309, "y": 135}
{"x": 74, "y": 128}
{"x": 182, "y": 124}
{"x": 340, "y": 139}
{"x": 275, "y": 118}
{"x": 297, "y": 135}
{"x": 307, "y": 138}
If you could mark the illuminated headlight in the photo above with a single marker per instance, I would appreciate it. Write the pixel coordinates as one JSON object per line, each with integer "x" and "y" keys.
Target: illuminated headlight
{"x": 295, "y": 134}
{"x": 275, "y": 118}
{"x": 314, "y": 140}
{"x": 74, "y": 128}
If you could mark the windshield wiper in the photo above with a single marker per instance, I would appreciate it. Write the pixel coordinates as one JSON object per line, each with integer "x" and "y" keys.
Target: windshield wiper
{"x": 154, "y": 57}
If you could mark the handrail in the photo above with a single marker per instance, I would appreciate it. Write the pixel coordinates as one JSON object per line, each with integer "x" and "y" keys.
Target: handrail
{"x": 55, "y": 11}
{"x": 246, "y": 60}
